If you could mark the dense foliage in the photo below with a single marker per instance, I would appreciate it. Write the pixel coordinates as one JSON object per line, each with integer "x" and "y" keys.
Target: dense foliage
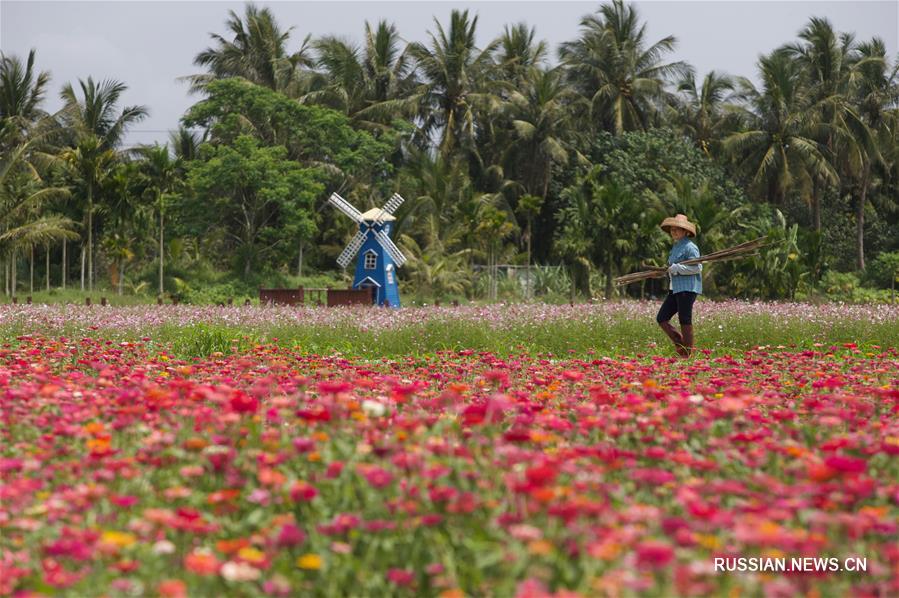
{"x": 527, "y": 170}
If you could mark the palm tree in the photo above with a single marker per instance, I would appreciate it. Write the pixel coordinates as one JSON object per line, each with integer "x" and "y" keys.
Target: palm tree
{"x": 185, "y": 143}
{"x": 544, "y": 116}
{"x": 24, "y": 195}
{"x": 518, "y": 52}
{"x": 161, "y": 176}
{"x": 701, "y": 113}
{"x": 454, "y": 72}
{"x": 257, "y": 52}
{"x": 369, "y": 84}
{"x": 778, "y": 145}
{"x": 435, "y": 271}
{"x": 21, "y": 94}
{"x": 96, "y": 128}
{"x": 865, "y": 150}
{"x": 826, "y": 60}
{"x": 612, "y": 65}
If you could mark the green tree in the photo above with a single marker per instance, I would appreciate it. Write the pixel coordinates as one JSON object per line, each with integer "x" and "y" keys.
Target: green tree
{"x": 825, "y": 60}
{"x": 603, "y": 222}
{"x": 865, "y": 148}
{"x": 22, "y": 90}
{"x": 252, "y": 191}
{"x": 257, "y": 52}
{"x": 454, "y": 70}
{"x": 369, "y": 84}
{"x": 701, "y": 113}
{"x": 25, "y": 222}
{"x": 519, "y": 53}
{"x": 313, "y": 135}
{"x": 617, "y": 70}
{"x": 95, "y": 128}
{"x": 161, "y": 179}
{"x": 544, "y": 118}
{"x": 778, "y": 146}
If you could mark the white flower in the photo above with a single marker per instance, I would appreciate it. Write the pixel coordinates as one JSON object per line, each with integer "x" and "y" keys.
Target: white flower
{"x": 163, "y": 547}
{"x": 695, "y": 398}
{"x": 239, "y": 572}
{"x": 373, "y": 408}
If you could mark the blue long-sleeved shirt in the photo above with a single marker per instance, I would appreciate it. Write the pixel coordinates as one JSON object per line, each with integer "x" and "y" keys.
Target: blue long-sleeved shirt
{"x": 685, "y": 249}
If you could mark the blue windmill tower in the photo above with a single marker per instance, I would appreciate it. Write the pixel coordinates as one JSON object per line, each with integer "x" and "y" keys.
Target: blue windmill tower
{"x": 378, "y": 256}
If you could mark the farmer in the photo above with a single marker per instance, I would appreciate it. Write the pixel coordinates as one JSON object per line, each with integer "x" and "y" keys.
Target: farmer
{"x": 685, "y": 282}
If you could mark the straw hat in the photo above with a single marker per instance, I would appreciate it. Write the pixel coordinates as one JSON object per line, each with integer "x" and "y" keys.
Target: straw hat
{"x": 679, "y": 221}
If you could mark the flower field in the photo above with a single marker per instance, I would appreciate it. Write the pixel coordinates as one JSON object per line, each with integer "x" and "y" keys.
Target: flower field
{"x": 266, "y": 470}
{"x": 626, "y": 327}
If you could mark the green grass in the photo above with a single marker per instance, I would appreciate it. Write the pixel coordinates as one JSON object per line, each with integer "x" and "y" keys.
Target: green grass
{"x": 76, "y": 296}
{"x": 561, "y": 339}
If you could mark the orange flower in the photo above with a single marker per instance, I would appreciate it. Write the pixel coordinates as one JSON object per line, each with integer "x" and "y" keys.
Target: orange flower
{"x": 195, "y": 443}
{"x": 231, "y": 546}
{"x": 172, "y": 588}
{"x": 271, "y": 477}
{"x": 222, "y": 496}
{"x": 202, "y": 562}
{"x": 93, "y": 428}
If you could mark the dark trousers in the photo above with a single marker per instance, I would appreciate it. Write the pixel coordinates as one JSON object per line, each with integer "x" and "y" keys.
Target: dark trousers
{"x": 680, "y": 304}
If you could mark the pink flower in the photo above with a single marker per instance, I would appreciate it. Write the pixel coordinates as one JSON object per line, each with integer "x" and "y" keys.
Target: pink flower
{"x": 290, "y": 535}
{"x": 400, "y": 577}
{"x": 845, "y": 464}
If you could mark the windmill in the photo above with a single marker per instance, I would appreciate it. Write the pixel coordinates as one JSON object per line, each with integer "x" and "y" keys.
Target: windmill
{"x": 378, "y": 256}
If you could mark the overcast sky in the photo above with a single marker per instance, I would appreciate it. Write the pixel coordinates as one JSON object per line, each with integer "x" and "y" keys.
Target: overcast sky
{"x": 148, "y": 45}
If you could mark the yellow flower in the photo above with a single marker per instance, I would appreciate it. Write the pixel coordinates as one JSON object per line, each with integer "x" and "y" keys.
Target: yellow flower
{"x": 708, "y": 541}
{"x": 251, "y": 555}
{"x": 310, "y": 561}
{"x": 119, "y": 539}
{"x": 541, "y": 547}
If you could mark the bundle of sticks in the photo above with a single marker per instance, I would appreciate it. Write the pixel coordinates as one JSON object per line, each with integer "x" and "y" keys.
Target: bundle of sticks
{"x": 747, "y": 249}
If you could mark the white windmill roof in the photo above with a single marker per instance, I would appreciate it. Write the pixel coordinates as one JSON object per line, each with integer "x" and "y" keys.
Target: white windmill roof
{"x": 373, "y": 214}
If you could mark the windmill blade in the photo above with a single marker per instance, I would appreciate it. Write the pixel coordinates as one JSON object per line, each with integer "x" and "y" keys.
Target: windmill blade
{"x": 392, "y": 250}
{"x": 345, "y": 207}
{"x": 350, "y": 250}
{"x": 390, "y": 207}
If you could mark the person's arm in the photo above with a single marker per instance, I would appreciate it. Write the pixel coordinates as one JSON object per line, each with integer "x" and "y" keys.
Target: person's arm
{"x": 692, "y": 252}
{"x": 684, "y": 269}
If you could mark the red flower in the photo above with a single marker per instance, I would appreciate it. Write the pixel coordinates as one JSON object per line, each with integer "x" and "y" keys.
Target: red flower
{"x": 653, "y": 554}
{"x": 302, "y": 492}
{"x": 243, "y": 403}
{"x": 541, "y": 475}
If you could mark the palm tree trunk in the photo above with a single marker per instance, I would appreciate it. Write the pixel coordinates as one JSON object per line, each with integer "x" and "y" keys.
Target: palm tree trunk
{"x": 65, "y": 263}
{"x": 14, "y": 268}
{"x": 860, "y": 222}
{"x": 161, "y": 251}
{"x": 816, "y": 207}
{"x": 573, "y": 281}
{"x": 47, "y": 267}
{"x": 90, "y": 238}
{"x": 121, "y": 275}
{"x": 527, "y": 280}
{"x": 82, "y": 267}
{"x": 300, "y": 261}
{"x": 31, "y": 276}
{"x": 608, "y": 279}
